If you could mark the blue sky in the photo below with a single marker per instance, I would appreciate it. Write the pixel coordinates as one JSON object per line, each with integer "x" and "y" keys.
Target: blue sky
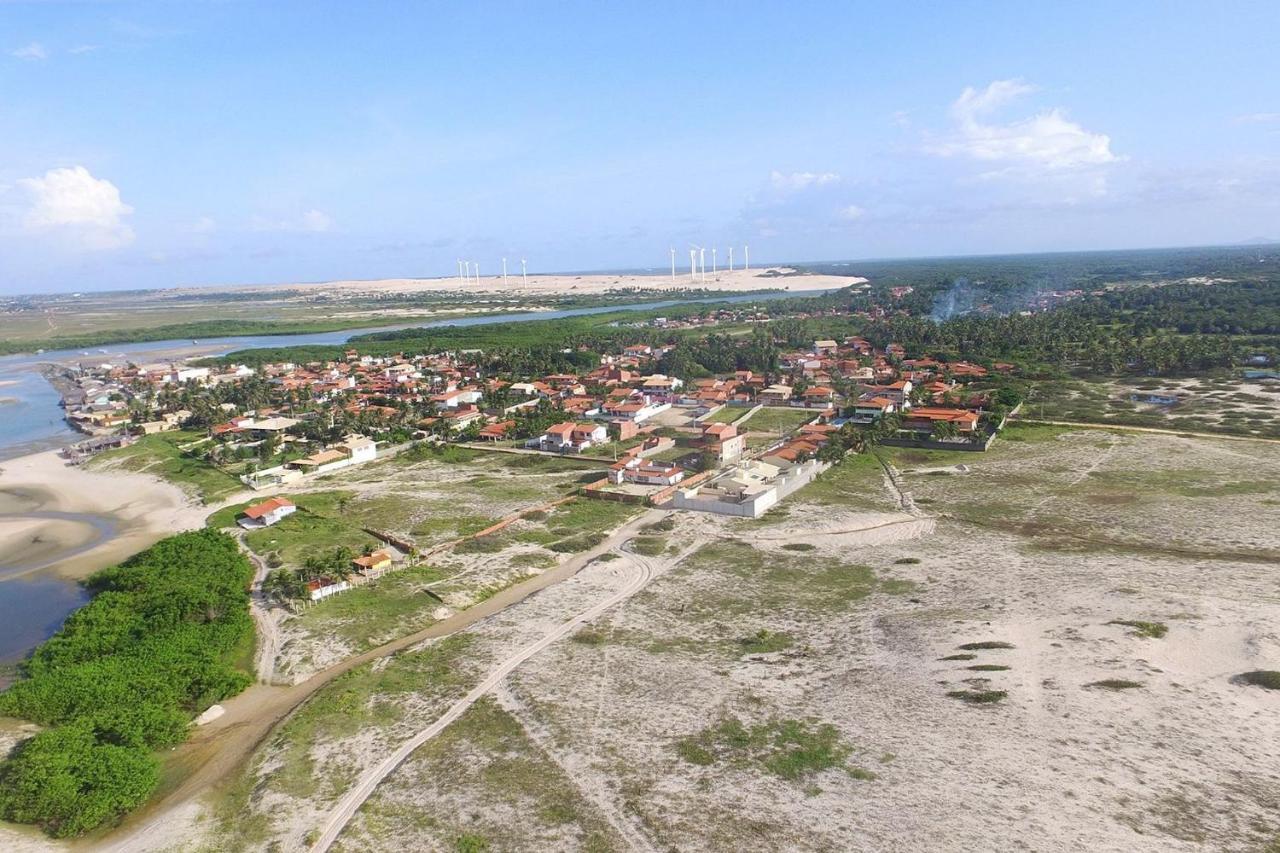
{"x": 160, "y": 144}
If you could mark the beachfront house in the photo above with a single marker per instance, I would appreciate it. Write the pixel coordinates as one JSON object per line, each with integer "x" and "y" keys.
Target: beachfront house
{"x": 266, "y": 513}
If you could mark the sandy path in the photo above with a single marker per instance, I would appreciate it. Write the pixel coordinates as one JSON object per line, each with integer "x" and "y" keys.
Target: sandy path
{"x": 219, "y": 749}
{"x": 268, "y": 634}
{"x": 638, "y": 572}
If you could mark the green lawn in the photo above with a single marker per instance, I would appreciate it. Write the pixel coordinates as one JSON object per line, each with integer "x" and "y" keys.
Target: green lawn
{"x": 160, "y": 455}
{"x": 857, "y": 482}
{"x": 727, "y": 415}
{"x": 394, "y": 605}
{"x": 319, "y": 525}
{"x": 776, "y": 419}
{"x": 578, "y": 525}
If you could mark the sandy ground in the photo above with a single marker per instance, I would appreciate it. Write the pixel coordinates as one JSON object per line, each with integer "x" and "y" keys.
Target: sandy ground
{"x": 144, "y": 509}
{"x": 1042, "y": 544}
{"x": 546, "y": 285}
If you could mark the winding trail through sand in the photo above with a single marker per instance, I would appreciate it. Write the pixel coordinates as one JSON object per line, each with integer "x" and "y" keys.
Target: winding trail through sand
{"x": 639, "y": 572}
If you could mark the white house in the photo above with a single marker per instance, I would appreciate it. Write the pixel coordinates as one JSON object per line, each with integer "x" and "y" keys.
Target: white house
{"x": 359, "y": 448}
{"x": 267, "y": 513}
{"x": 571, "y": 437}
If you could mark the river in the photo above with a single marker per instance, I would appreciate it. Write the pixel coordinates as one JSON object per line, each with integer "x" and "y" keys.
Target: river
{"x": 34, "y": 604}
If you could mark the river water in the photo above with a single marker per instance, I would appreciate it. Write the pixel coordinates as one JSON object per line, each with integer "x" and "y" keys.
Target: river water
{"x": 34, "y": 605}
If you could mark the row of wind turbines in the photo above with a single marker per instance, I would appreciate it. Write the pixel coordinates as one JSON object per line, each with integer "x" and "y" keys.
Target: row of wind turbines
{"x": 698, "y": 262}
{"x": 469, "y": 272}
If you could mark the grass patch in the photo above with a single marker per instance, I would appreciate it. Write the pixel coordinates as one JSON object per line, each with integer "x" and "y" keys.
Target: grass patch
{"x": 978, "y": 697}
{"x": 858, "y": 482}
{"x": 775, "y": 580}
{"x": 319, "y": 525}
{"x": 395, "y": 604}
{"x": 988, "y": 667}
{"x": 649, "y": 546}
{"x": 725, "y": 415}
{"x": 906, "y": 561}
{"x": 590, "y": 637}
{"x": 765, "y": 642}
{"x": 985, "y": 645}
{"x": 491, "y": 762}
{"x": 1115, "y": 684}
{"x": 963, "y": 656}
{"x": 790, "y": 749}
{"x": 366, "y": 696}
{"x": 799, "y": 546}
{"x": 775, "y": 419}
{"x": 1154, "y": 630}
{"x": 1266, "y": 678}
{"x": 163, "y": 455}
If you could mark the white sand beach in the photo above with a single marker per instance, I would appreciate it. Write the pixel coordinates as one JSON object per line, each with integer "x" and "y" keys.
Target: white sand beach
{"x": 144, "y": 509}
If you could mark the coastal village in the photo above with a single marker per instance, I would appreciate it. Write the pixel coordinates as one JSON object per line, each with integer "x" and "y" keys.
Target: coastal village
{"x": 700, "y": 444}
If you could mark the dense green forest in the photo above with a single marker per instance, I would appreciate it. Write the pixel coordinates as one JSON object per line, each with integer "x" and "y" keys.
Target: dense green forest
{"x": 123, "y": 677}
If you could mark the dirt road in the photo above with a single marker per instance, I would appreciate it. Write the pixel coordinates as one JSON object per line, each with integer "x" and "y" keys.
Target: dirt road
{"x": 639, "y": 572}
{"x": 218, "y": 750}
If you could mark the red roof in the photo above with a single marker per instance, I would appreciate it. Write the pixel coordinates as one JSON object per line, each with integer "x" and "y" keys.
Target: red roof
{"x": 271, "y": 505}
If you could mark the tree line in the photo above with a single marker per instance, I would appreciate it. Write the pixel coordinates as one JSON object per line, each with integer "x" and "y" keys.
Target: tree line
{"x": 124, "y": 677}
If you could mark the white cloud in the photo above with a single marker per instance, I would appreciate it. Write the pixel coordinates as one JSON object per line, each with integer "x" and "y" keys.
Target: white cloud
{"x": 83, "y": 48}
{"x": 204, "y": 225}
{"x": 1259, "y": 118}
{"x": 73, "y": 203}
{"x": 312, "y": 221}
{"x": 33, "y": 52}
{"x": 851, "y": 213}
{"x": 1047, "y": 141}
{"x": 802, "y": 180}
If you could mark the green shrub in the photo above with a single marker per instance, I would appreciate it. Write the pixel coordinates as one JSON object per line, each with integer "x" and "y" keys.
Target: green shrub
{"x": 1154, "y": 630}
{"x": 978, "y": 697}
{"x": 124, "y": 675}
{"x": 959, "y": 657}
{"x": 988, "y": 667}
{"x": 985, "y": 645}
{"x": 764, "y": 642}
{"x": 798, "y": 546}
{"x": 69, "y": 782}
{"x": 1115, "y": 684}
{"x": 1268, "y": 678}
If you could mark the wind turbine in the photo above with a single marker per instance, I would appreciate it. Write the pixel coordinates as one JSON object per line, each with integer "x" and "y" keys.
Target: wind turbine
{"x": 702, "y": 254}
{"x": 467, "y": 266}
{"x": 524, "y": 277}
{"x": 477, "y": 272}
{"x": 460, "y": 272}
{"x": 673, "y": 266}
{"x": 693, "y": 264}
{"x": 746, "y": 257}
{"x": 730, "y": 259}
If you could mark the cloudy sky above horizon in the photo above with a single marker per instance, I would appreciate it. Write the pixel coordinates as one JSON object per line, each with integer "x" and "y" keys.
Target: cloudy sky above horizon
{"x": 170, "y": 143}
